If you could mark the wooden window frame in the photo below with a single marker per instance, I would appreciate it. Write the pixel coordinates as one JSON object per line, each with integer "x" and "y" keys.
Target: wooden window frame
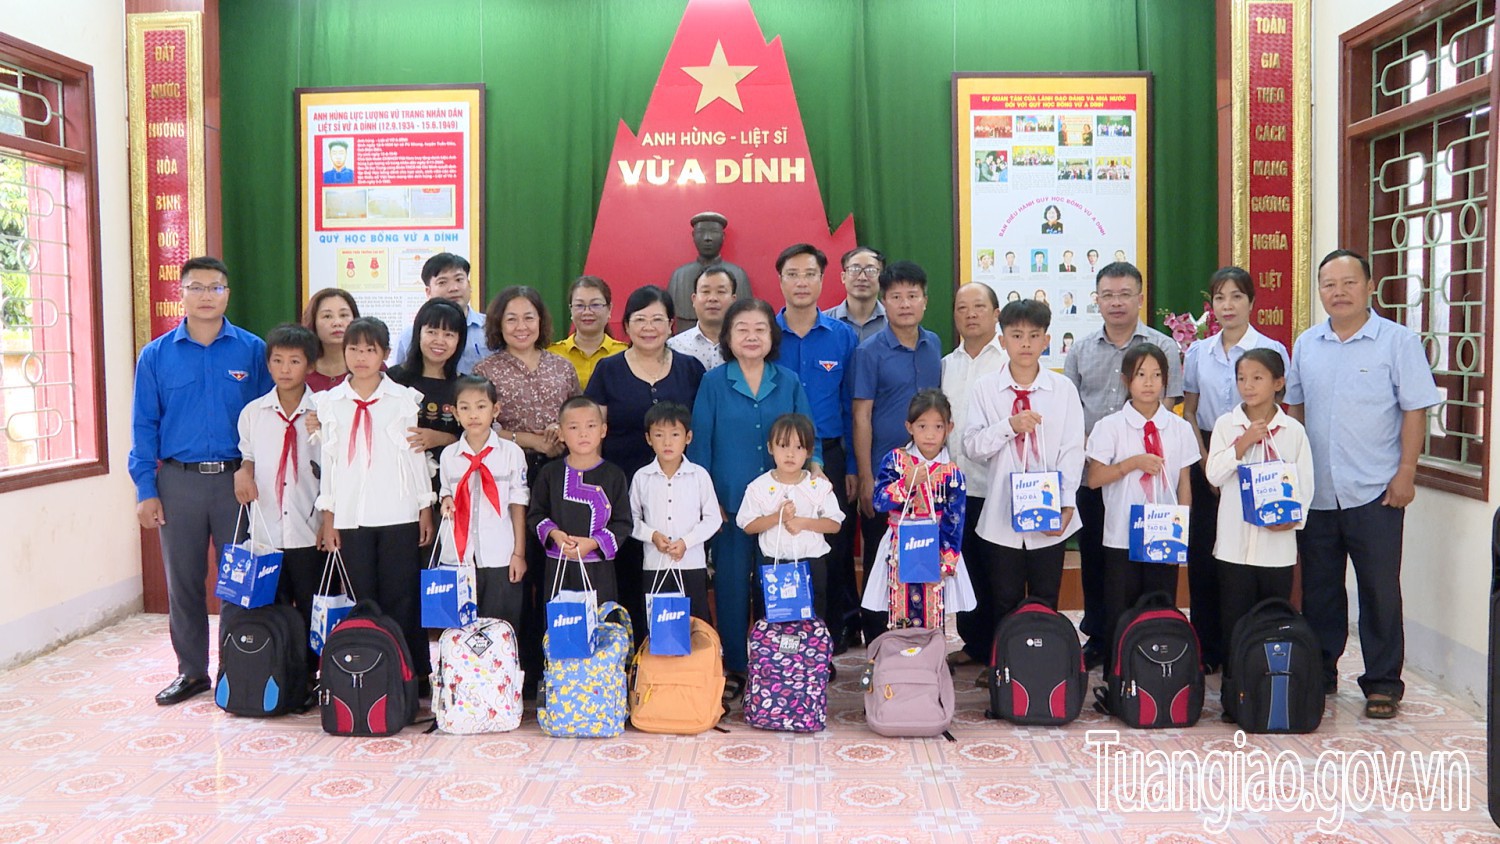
{"x": 1360, "y": 125}
{"x": 77, "y": 157}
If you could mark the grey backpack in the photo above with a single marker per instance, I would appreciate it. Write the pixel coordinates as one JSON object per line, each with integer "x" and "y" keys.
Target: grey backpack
{"x": 908, "y": 687}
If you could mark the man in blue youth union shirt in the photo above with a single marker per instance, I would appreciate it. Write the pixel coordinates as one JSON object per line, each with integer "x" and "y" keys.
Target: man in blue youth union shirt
{"x": 190, "y": 386}
{"x": 819, "y": 348}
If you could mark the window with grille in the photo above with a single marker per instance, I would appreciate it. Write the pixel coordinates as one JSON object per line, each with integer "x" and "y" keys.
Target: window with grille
{"x": 1418, "y": 186}
{"x": 51, "y": 374}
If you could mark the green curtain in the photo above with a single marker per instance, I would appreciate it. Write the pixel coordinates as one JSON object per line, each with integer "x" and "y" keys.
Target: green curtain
{"x": 872, "y": 80}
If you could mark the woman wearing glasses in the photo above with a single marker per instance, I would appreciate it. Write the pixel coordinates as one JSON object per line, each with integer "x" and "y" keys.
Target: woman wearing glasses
{"x": 626, "y": 386}
{"x": 588, "y": 301}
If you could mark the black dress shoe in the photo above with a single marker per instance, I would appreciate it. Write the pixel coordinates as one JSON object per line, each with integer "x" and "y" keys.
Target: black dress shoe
{"x": 853, "y": 637}
{"x": 181, "y": 689}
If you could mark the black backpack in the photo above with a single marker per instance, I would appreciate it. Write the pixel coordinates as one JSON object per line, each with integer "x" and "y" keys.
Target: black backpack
{"x": 367, "y": 685}
{"x": 1156, "y": 679}
{"x": 262, "y": 662}
{"x": 1275, "y": 679}
{"x": 1037, "y": 675}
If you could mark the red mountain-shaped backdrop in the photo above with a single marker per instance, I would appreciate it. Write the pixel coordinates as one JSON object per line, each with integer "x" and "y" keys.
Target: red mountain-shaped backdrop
{"x": 722, "y": 133}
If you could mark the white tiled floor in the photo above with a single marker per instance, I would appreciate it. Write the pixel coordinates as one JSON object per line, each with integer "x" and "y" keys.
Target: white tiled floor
{"x": 87, "y": 756}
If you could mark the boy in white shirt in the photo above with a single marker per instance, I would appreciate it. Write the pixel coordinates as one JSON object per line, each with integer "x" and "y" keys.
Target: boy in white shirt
{"x": 484, "y": 495}
{"x": 790, "y": 508}
{"x": 674, "y": 509}
{"x": 279, "y": 476}
{"x": 1024, "y": 418}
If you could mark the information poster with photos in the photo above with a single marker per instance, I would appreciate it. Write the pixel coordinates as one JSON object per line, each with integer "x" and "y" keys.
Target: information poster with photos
{"x": 1052, "y": 180}
{"x": 387, "y": 177}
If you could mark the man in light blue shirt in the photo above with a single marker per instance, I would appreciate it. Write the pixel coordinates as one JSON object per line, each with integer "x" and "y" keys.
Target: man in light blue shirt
{"x": 190, "y": 386}
{"x": 861, "y": 309}
{"x": 446, "y": 276}
{"x": 1362, "y": 385}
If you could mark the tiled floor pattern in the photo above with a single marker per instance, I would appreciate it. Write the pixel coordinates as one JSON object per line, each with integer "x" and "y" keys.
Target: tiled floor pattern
{"x": 87, "y": 756}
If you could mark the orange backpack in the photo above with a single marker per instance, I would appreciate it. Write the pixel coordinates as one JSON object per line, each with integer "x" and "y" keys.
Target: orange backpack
{"x": 680, "y": 695}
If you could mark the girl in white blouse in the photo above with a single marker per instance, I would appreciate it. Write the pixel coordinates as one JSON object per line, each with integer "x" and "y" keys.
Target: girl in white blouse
{"x": 1139, "y": 454}
{"x": 1255, "y": 562}
{"x": 375, "y": 491}
{"x": 482, "y": 481}
{"x": 791, "y": 510}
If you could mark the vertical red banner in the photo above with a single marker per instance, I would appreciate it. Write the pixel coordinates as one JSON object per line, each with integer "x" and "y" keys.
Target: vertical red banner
{"x": 1270, "y": 33}
{"x": 1271, "y": 160}
{"x": 166, "y": 164}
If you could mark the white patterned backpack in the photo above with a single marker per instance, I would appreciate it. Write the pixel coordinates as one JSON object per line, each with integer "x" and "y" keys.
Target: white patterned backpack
{"x": 476, "y": 684}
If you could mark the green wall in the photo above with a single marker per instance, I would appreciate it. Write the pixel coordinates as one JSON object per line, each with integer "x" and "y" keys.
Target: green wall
{"x": 872, "y": 80}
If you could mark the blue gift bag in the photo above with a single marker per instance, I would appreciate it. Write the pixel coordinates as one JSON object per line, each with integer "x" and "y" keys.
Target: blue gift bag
{"x": 571, "y": 619}
{"x": 447, "y": 593}
{"x": 1159, "y": 533}
{"x": 1034, "y": 502}
{"x": 671, "y": 624}
{"x": 1268, "y": 493}
{"x": 917, "y": 557}
{"x": 572, "y": 616}
{"x": 787, "y": 589}
{"x": 329, "y": 608}
{"x": 249, "y": 570}
{"x": 1035, "y": 492}
{"x": 668, "y": 617}
{"x": 448, "y": 597}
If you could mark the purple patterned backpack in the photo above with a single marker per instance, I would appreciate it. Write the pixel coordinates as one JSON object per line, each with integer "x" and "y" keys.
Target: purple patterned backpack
{"x": 788, "y": 687}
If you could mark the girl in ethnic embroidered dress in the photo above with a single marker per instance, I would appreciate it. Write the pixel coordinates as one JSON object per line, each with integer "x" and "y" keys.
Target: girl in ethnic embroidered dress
{"x": 916, "y": 483}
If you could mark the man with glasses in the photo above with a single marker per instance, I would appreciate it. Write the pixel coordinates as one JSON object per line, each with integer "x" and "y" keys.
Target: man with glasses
{"x": 1093, "y": 365}
{"x": 190, "y": 386}
{"x": 861, "y": 309}
{"x": 713, "y": 293}
{"x": 818, "y": 348}
{"x": 708, "y": 237}
{"x": 446, "y": 276}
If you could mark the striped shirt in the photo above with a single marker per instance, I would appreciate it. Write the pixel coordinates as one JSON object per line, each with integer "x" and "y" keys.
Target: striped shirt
{"x": 1093, "y": 365}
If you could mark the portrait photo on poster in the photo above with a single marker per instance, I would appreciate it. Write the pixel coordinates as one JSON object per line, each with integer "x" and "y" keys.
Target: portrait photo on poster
{"x": 1053, "y": 185}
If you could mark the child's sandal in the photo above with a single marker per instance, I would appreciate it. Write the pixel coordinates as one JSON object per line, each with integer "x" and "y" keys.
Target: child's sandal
{"x": 734, "y": 686}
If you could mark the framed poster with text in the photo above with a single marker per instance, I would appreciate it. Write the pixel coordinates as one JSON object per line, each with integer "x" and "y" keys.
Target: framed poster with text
{"x": 1052, "y": 181}
{"x": 387, "y": 177}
